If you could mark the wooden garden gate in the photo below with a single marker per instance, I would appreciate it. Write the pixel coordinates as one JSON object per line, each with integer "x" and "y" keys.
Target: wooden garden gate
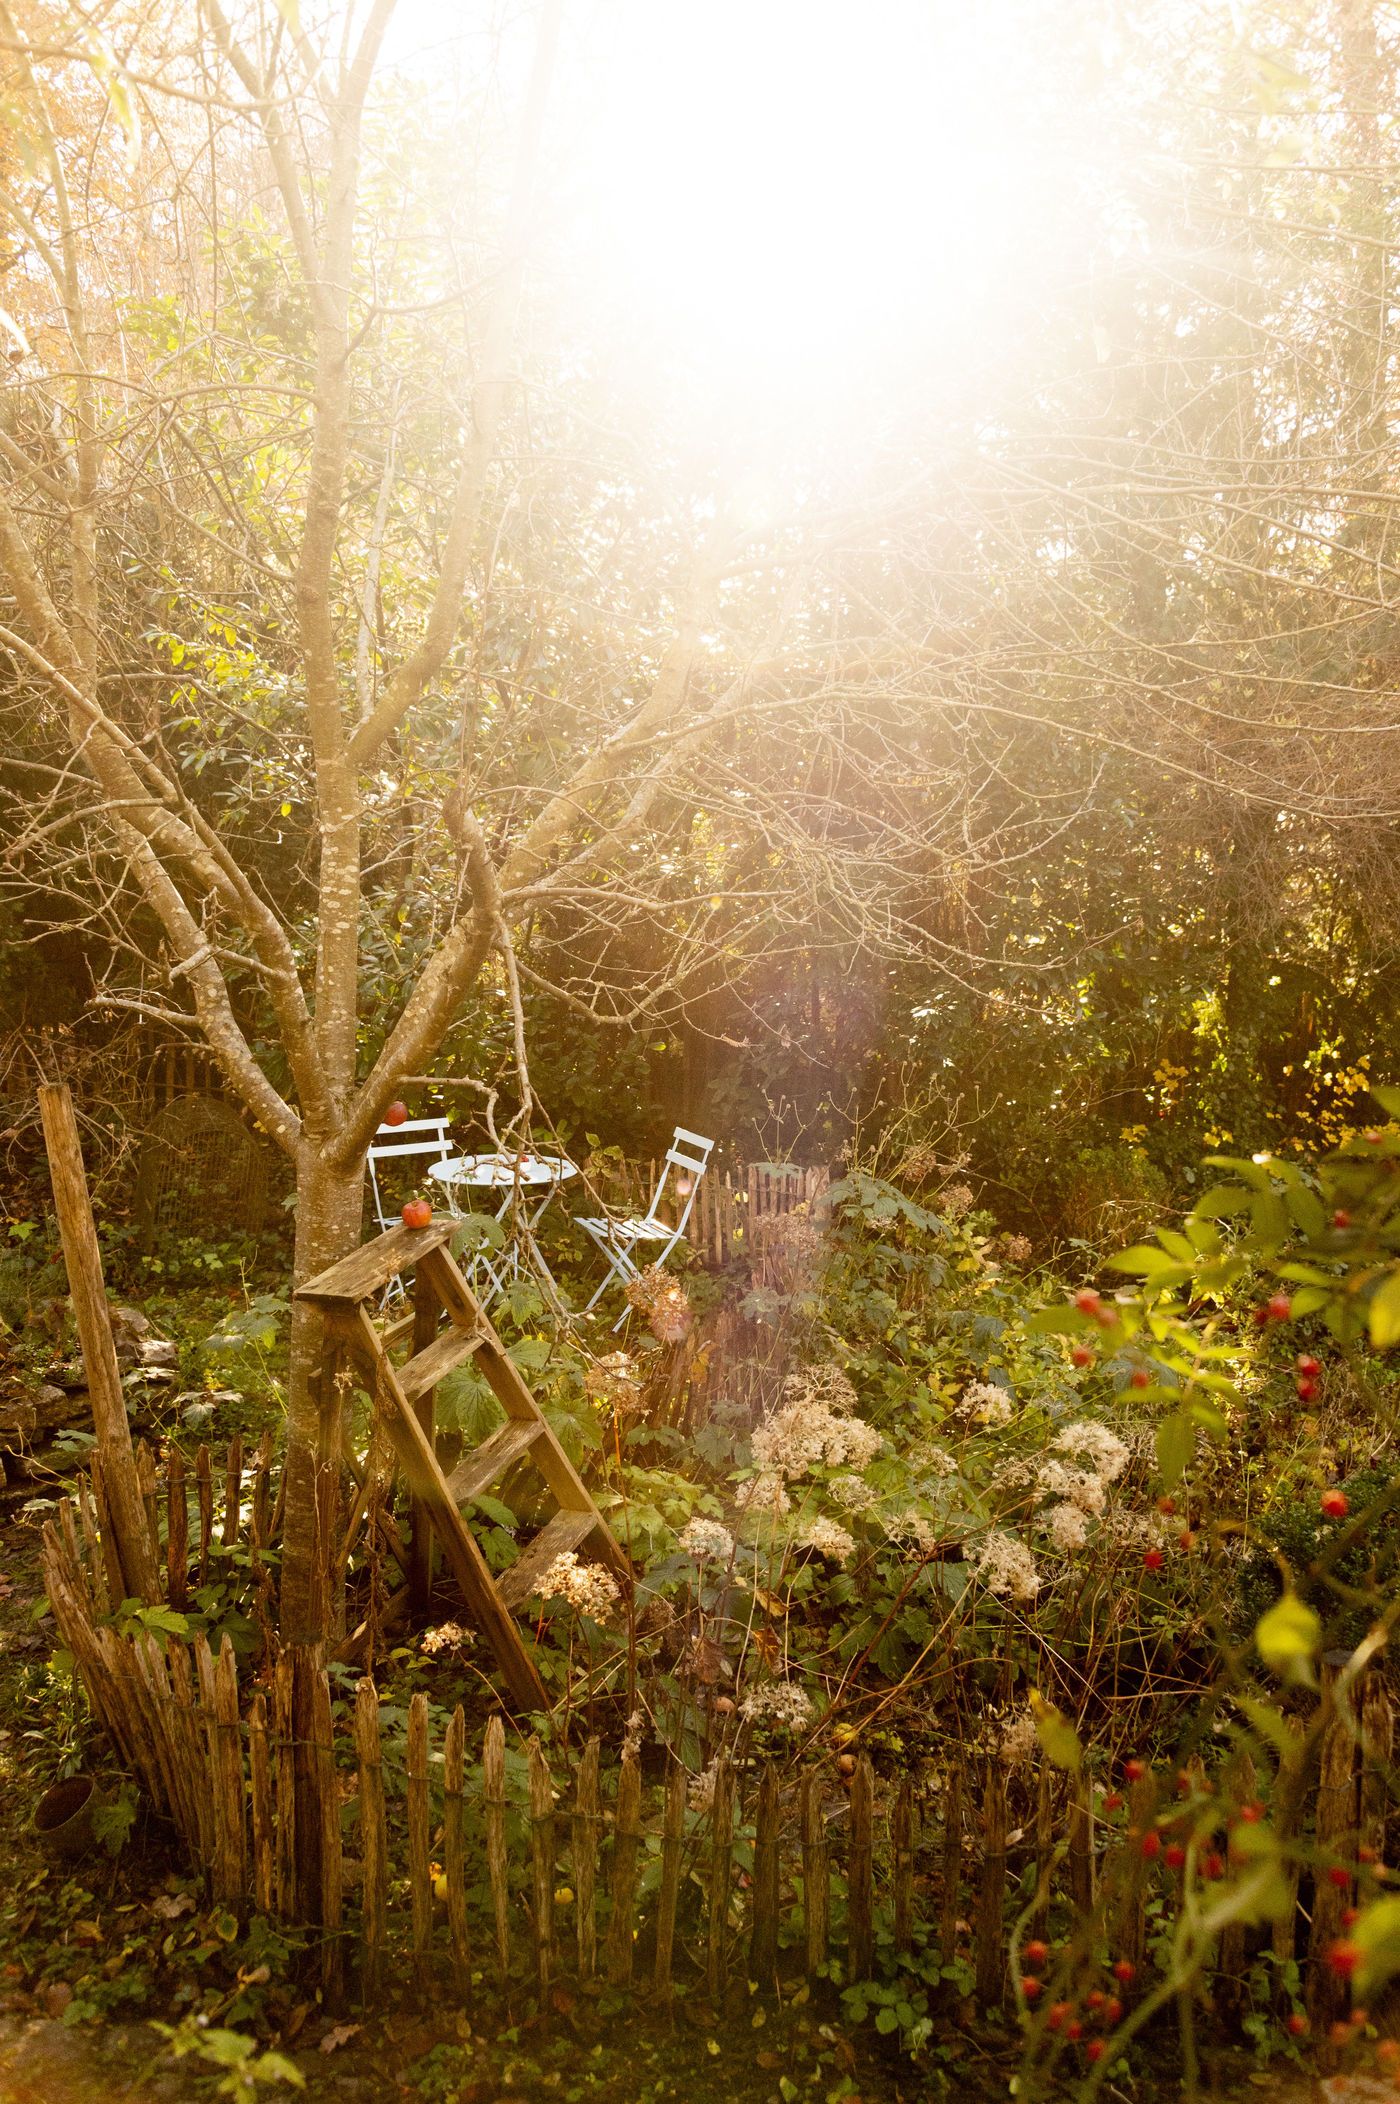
{"x": 445, "y": 1328}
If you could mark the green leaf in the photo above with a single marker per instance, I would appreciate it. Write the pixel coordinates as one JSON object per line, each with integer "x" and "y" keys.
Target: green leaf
{"x": 1388, "y": 1099}
{"x": 1058, "y": 1738}
{"x": 495, "y": 1510}
{"x": 1220, "y": 1202}
{"x": 1271, "y": 1724}
{"x": 1288, "y": 1636}
{"x": 1383, "y": 1313}
{"x": 1377, "y": 1931}
{"x": 1176, "y": 1443}
{"x": 1154, "y": 1265}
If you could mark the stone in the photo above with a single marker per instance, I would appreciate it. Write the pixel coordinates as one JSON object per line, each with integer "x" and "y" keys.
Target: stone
{"x": 159, "y": 1351}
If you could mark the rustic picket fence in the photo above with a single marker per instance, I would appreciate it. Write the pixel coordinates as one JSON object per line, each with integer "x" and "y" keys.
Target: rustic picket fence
{"x": 732, "y": 1205}
{"x": 454, "y": 1869}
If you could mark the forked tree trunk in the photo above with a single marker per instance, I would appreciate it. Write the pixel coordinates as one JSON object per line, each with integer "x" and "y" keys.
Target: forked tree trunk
{"x": 330, "y": 1207}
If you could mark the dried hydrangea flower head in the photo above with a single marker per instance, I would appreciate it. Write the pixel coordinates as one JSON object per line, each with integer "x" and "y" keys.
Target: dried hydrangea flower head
{"x": 956, "y": 1200}
{"x": 813, "y": 1426}
{"x": 1095, "y": 1446}
{"x": 1016, "y": 1739}
{"x": 587, "y": 1587}
{"x": 1067, "y": 1527}
{"x": 615, "y": 1384}
{"x": 986, "y": 1403}
{"x": 706, "y": 1541}
{"x": 1017, "y": 1249}
{"x": 664, "y": 1302}
{"x": 1005, "y": 1566}
{"x": 448, "y": 1636}
{"x": 782, "y": 1705}
{"x": 763, "y": 1495}
{"x": 828, "y": 1539}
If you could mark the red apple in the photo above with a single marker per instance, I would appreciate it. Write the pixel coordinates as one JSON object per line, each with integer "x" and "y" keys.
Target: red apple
{"x": 396, "y": 1114}
{"x": 417, "y": 1213}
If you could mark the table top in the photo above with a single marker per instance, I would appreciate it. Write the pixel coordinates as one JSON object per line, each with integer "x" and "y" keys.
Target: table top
{"x": 497, "y": 1172}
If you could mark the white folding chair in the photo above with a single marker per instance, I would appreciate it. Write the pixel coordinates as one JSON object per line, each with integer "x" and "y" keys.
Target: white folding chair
{"x": 397, "y": 1143}
{"x": 689, "y": 1156}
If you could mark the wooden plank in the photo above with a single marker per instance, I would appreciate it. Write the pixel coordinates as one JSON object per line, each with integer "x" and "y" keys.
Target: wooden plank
{"x": 763, "y": 1942}
{"x": 816, "y": 1876}
{"x": 903, "y": 1844}
{"x": 146, "y": 1478}
{"x": 487, "y": 1463}
{"x": 283, "y": 1750}
{"x": 587, "y": 1822}
{"x": 442, "y": 1355}
{"x": 627, "y": 1841}
{"x": 567, "y": 1530}
{"x": 454, "y": 1848}
{"x": 420, "y": 1879}
{"x": 373, "y": 1839}
{"x": 672, "y": 1843}
{"x": 860, "y": 1874}
{"x": 988, "y": 1943}
{"x": 233, "y": 1490}
{"x": 367, "y": 1270}
{"x": 493, "y": 1802}
{"x": 327, "y": 1800}
{"x": 83, "y": 1262}
{"x": 721, "y": 1870}
{"x": 260, "y": 1798}
{"x": 204, "y": 1486}
{"x": 465, "y": 1559}
{"x": 542, "y": 1864}
{"x": 177, "y": 1533}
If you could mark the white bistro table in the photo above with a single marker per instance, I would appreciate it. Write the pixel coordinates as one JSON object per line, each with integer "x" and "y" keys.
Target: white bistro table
{"x": 515, "y": 1175}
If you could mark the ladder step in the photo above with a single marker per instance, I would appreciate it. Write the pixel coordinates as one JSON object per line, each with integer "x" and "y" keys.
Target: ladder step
{"x": 397, "y": 1331}
{"x": 420, "y": 1374}
{"x": 565, "y": 1531}
{"x": 476, "y": 1471}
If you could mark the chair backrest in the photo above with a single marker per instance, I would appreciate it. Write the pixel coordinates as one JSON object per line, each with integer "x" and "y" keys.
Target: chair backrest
{"x": 689, "y": 1154}
{"x": 392, "y": 1143}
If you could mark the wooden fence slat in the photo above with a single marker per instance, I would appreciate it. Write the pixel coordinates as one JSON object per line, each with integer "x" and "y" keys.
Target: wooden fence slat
{"x": 763, "y": 1942}
{"x": 260, "y": 1801}
{"x": 950, "y": 1900}
{"x": 816, "y": 1876}
{"x": 672, "y": 1841}
{"x": 454, "y": 1847}
{"x": 586, "y": 1828}
{"x": 627, "y": 1841}
{"x": 177, "y": 1533}
{"x": 860, "y": 1874}
{"x": 233, "y": 1490}
{"x": 327, "y": 1798}
{"x": 192, "y": 1740}
{"x": 284, "y": 1768}
{"x": 106, "y": 1529}
{"x": 374, "y": 1847}
{"x": 150, "y": 1505}
{"x": 493, "y": 1796}
{"x": 721, "y": 1867}
{"x": 420, "y": 1876}
{"x": 204, "y": 1490}
{"x": 96, "y": 1563}
{"x": 903, "y": 1843}
{"x": 1377, "y": 1755}
{"x": 1081, "y": 1842}
{"x": 991, "y": 1890}
{"x": 1335, "y": 1821}
{"x": 542, "y": 1863}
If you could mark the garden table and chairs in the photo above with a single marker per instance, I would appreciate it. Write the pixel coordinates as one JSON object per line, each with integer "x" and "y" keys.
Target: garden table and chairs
{"x": 527, "y": 1180}
{"x": 620, "y": 1239}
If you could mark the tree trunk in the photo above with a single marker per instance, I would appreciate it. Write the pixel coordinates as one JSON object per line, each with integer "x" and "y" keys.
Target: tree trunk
{"x": 330, "y": 1206}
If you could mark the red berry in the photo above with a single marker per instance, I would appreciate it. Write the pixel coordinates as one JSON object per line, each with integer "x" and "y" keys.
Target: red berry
{"x": 1251, "y": 1814}
{"x": 1187, "y": 1540}
{"x": 1278, "y": 1307}
{"x": 1344, "y": 1957}
{"x": 1339, "y": 2033}
{"x": 1175, "y": 1856}
{"x": 1298, "y": 2025}
{"x": 1134, "y": 1771}
{"x": 1308, "y": 1366}
{"x": 1152, "y": 1559}
{"x": 1339, "y": 1876}
{"x": 1212, "y": 1865}
{"x": 1095, "y": 1998}
{"x": 1349, "y": 1915}
{"x": 1167, "y": 1506}
{"x": 1094, "y": 2049}
{"x": 1151, "y": 1845}
{"x": 1259, "y": 1317}
{"x": 1031, "y": 1988}
{"x": 1081, "y": 1355}
{"x": 1035, "y": 1954}
{"x": 1114, "y": 1801}
{"x": 1306, "y": 1387}
{"x": 1372, "y": 1138}
{"x": 1140, "y": 1378}
{"x": 396, "y": 1114}
{"x": 1058, "y": 2012}
{"x": 1341, "y": 1218}
{"x": 1088, "y": 1301}
{"x": 1125, "y": 1970}
{"x": 1106, "y": 1317}
{"x": 1334, "y": 1504}
{"x": 1112, "y": 2011}
{"x": 1074, "y": 2029}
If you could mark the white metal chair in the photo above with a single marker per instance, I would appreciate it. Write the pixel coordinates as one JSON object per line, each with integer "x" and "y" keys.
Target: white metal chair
{"x": 689, "y": 1156}
{"x": 397, "y": 1143}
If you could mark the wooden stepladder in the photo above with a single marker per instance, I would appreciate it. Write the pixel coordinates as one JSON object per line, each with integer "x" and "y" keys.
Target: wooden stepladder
{"x": 445, "y": 1328}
